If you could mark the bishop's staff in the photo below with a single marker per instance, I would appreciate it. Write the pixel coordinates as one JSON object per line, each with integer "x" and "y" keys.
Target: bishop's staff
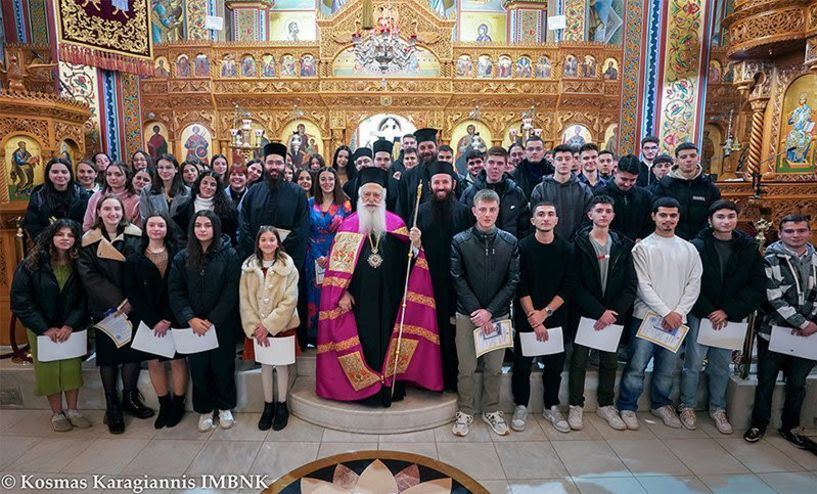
{"x": 405, "y": 290}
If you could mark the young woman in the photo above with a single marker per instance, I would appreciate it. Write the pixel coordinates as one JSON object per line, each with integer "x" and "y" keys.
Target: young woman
{"x": 208, "y": 194}
{"x": 101, "y": 266}
{"x": 255, "y": 170}
{"x": 343, "y": 155}
{"x": 327, "y": 210}
{"x": 190, "y": 172}
{"x": 140, "y": 160}
{"x": 219, "y": 165}
{"x": 304, "y": 181}
{"x": 167, "y": 191}
{"x": 289, "y": 172}
{"x": 48, "y": 299}
{"x": 268, "y": 298}
{"x": 118, "y": 182}
{"x": 141, "y": 180}
{"x": 59, "y": 197}
{"x": 238, "y": 184}
{"x": 146, "y": 280}
{"x": 101, "y": 161}
{"x": 86, "y": 176}
{"x": 204, "y": 296}
{"x": 316, "y": 162}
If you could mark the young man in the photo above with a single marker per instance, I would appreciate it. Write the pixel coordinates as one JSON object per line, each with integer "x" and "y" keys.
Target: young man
{"x": 485, "y": 269}
{"x": 733, "y": 285}
{"x": 576, "y": 165}
{"x": 695, "y": 191}
{"x": 545, "y": 282}
{"x": 607, "y": 164}
{"x": 649, "y": 150}
{"x": 516, "y": 153}
{"x": 566, "y": 192}
{"x": 474, "y": 162}
{"x": 660, "y": 169}
{"x": 605, "y": 292}
{"x": 445, "y": 153}
{"x": 791, "y": 272}
{"x": 529, "y": 171}
{"x": 669, "y": 281}
{"x": 632, "y": 204}
{"x": 589, "y": 156}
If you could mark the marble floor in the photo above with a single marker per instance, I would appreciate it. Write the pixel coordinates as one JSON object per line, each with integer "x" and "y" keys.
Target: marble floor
{"x": 655, "y": 459}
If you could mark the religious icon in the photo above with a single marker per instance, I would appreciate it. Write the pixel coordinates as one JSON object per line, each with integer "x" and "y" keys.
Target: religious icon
{"x": 308, "y": 66}
{"x": 523, "y": 68}
{"x": 589, "y": 67}
{"x": 166, "y": 18}
{"x": 292, "y": 31}
{"x": 571, "y": 68}
{"x": 485, "y": 66}
{"x": 714, "y": 72}
{"x": 465, "y": 67}
{"x": 157, "y": 144}
{"x": 611, "y": 138}
{"x": 611, "y": 71}
{"x": 197, "y": 145}
{"x": 24, "y": 159}
{"x": 504, "y": 67}
{"x": 161, "y": 69}
{"x": 183, "y": 66}
{"x": 201, "y": 65}
{"x": 798, "y": 140}
{"x": 543, "y": 68}
{"x": 576, "y": 136}
{"x": 288, "y": 66}
{"x": 66, "y": 152}
{"x": 267, "y": 65}
{"x": 482, "y": 34}
{"x": 228, "y": 66}
{"x": 604, "y": 21}
{"x": 248, "y": 66}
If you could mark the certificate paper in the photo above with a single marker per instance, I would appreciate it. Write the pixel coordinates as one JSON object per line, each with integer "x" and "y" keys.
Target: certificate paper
{"x": 605, "y": 340}
{"x": 75, "y": 346}
{"x": 320, "y": 273}
{"x": 117, "y": 327}
{"x": 188, "y": 342}
{"x": 731, "y": 337}
{"x": 531, "y": 347}
{"x": 652, "y": 331}
{"x": 147, "y": 341}
{"x": 500, "y": 338}
{"x": 281, "y": 351}
{"x": 782, "y": 341}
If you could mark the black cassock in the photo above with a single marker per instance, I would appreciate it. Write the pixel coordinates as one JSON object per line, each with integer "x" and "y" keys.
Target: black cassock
{"x": 350, "y": 189}
{"x": 378, "y": 294}
{"x": 436, "y": 239}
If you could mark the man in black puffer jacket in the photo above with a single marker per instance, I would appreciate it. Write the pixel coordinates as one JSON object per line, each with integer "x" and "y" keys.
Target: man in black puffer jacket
{"x": 530, "y": 171}
{"x": 633, "y": 204}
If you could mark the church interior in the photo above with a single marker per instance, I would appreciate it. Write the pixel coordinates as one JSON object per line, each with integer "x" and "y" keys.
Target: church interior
{"x": 200, "y": 78}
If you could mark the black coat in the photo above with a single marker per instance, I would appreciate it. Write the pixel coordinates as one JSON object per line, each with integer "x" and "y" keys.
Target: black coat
{"x": 38, "y": 302}
{"x": 528, "y": 175}
{"x": 514, "y": 210}
{"x": 742, "y": 288}
{"x": 407, "y": 192}
{"x": 695, "y": 196}
{"x": 147, "y": 291}
{"x": 622, "y": 281}
{"x": 210, "y": 292}
{"x": 284, "y": 208}
{"x": 632, "y": 210}
{"x": 229, "y": 221}
{"x": 70, "y": 204}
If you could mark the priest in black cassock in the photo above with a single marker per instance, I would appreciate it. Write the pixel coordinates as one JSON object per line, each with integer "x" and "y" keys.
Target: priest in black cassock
{"x": 366, "y": 158}
{"x": 427, "y": 154}
{"x": 438, "y": 220}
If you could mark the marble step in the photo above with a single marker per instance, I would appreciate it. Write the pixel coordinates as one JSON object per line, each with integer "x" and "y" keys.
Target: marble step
{"x": 420, "y": 410}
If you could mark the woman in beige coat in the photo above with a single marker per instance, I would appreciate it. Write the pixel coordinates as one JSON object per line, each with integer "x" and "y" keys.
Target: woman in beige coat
{"x": 268, "y": 295}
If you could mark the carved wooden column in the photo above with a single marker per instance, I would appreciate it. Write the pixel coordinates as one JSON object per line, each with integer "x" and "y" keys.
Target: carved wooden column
{"x": 756, "y": 135}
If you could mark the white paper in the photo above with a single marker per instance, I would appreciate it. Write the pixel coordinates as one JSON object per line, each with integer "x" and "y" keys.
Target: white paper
{"x": 502, "y": 337}
{"x": 320, "y": 273}
{"x": 731, "y": 337}
{"x": 605, "y": 340}
{"x": 782, "y": 341}
{"x": 652, "y": 330}
{"x": 531, "y": 347}
{"x": 146, "y": 340}
{"x": 281, "y": 351}
{"x": 117, "y": 327}
{"x": 557, "y": 22}
{"x": 75, "y": 346}
{"x": 213, "y": 22}
{"x": 188, "y": 342}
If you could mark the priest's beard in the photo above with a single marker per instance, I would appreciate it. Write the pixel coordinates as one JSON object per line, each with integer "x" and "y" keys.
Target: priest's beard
{"x": 272, "y": 182}
{"x": 371, "y": 219}
{"x": 441, "y": 208}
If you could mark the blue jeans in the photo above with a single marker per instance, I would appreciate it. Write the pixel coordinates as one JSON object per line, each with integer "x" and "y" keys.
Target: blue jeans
{"x": 717, "y": 369}
{"x": 632, "y": 381}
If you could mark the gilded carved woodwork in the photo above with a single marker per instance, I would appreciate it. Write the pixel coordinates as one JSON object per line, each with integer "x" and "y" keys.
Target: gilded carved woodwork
{"x": 755, "y": 26}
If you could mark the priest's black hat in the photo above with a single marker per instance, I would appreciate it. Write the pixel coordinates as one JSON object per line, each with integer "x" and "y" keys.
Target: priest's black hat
{"x": 438, "y": 167}
{"x": 381, "y": 145}
{"x": 361, "y": 152}
{"x": 373, "y": 175}
{"x": 275, "y": 148}
{"x": 426, "y": 134}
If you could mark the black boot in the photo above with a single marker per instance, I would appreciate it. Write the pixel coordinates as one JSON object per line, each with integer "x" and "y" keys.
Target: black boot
{"x": 165, "y": 405}
{"x": 176, "y": 411}
{"x": 132, "y": 405}
{"x": 281, "y": 416}
{"x": 265, "y": 422}
{"x": 113, "y": 414}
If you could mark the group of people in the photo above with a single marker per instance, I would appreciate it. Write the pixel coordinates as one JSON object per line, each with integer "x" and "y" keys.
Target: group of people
{"x": 389, "y": 267}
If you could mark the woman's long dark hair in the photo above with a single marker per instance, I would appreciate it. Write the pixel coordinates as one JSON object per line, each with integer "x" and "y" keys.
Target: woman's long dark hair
{"x": 106, "y": 189}
{"x": 222, "y": 204}
{"x": 98, "y": 222}
{"x": 149, "y": 160}
{"x": 49, "y": 191}
{"x": 338, "y": 196}
{"x": 279, "y": 252}
{"x": 351, "y": 171}
{"x": 195, "y": 255}
{"x": 44, "y": 250}
{"x": 171, "y": 239}
{"x": 156, "y": 182}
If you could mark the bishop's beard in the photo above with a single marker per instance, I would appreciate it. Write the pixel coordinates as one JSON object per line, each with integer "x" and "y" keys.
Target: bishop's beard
{"x": 371, "y": 219}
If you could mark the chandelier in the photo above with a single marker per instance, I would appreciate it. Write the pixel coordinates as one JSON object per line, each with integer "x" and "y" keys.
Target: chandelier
{"x": 382, "y": 50}
{"x": 242, "y": 135}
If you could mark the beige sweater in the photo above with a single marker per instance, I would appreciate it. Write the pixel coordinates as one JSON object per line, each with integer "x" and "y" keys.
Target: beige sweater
{"x": 272, "y": 300}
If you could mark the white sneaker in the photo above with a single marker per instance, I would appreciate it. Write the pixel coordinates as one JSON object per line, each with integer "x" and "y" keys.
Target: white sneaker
{"x": 205, "y": 422}
{"x": 575, "y": 417}
{"x": 496, "y": 422}
{"x": 519, "y": 419}
{"x": 721, "y": 422}
{"x": 610, "y": 414}
{"x": 688, "y": 419}
{"x": 557, "y": 419}
{"x": 225, "y": 419}
{"x": 462, "y": 425}
{"x": 667, "y": 414}
{"x": 630, "y": 419}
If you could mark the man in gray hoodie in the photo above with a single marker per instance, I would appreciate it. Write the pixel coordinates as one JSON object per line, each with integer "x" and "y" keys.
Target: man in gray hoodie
{"x": 570, "y": 196}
